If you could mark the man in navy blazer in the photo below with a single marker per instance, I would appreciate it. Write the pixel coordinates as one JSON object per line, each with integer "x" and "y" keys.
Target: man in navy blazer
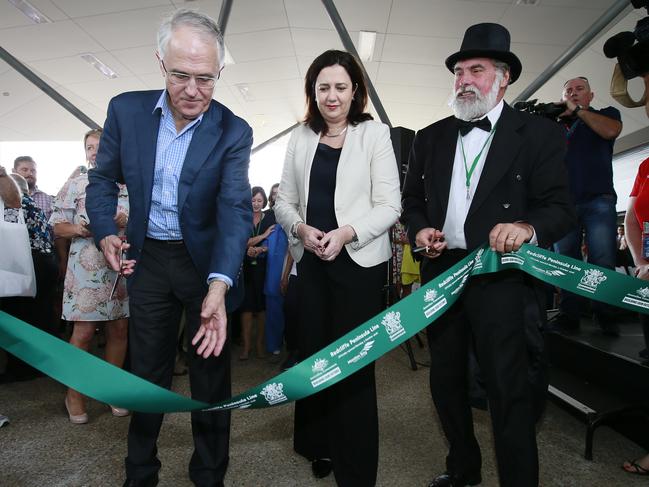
{"x": 184, "y": 158}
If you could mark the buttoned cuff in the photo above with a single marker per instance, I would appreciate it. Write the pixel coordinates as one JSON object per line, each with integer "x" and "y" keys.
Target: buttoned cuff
{"x": 215, "y": 276}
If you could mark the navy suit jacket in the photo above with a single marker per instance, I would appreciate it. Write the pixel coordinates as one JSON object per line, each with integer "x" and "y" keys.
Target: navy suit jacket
{"x": 214, "y": 202}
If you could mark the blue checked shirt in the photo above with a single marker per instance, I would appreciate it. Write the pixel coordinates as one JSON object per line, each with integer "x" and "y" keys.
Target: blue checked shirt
{"x": 170, "y": 155}
{"x": 169, "y": 158}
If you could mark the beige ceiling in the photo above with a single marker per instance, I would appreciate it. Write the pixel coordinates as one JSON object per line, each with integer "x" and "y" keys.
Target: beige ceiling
{"x": 273, "y": 42}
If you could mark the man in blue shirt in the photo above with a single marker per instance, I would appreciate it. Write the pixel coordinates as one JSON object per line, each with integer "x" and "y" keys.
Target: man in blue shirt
{"x": 591, "y": 134}
{"x": 184, "y": 158}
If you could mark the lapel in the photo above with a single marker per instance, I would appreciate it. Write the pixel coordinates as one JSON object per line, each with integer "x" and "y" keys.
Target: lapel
{"x": 206, "y": 135}
{"x": 147, "y": 124}
{"x": 311, "y": 145}
{"x": 444, "y": 157}
{"x": 504, "y": 148}
{"x": 346, "y": 154}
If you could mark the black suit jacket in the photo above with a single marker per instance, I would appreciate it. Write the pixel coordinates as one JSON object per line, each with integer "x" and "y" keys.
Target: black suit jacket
{"x": 523, "y": 179}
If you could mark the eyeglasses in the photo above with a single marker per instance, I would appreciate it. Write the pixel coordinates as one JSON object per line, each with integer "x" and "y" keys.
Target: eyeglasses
{"x": 183, "y": 79}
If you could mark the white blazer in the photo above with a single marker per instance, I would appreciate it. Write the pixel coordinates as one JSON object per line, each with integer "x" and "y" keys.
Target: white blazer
{"x": 367, "y": 195}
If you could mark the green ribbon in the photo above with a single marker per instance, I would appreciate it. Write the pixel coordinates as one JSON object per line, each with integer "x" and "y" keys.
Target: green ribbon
{"x": 106, "y": 383}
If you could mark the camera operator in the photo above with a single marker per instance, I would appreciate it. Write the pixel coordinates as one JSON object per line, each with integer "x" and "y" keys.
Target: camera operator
{"x": 591, "y": 134}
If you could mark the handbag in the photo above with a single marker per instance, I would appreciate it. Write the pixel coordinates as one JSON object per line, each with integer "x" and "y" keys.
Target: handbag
{"x": 17, "y": 276}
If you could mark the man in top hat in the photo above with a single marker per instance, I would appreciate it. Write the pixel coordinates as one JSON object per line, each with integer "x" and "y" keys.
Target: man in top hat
{"x": 489, "y": 174}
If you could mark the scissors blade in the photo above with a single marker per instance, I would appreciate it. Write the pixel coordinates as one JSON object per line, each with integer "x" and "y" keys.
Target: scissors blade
{"x": 119, "y": 274}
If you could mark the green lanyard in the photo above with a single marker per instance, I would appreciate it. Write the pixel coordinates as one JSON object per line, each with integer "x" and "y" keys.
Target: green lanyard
{"x": 469, "y": 171}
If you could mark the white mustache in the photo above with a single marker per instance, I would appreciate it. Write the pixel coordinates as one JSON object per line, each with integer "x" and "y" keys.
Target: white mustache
{"x": 467, "y": 89}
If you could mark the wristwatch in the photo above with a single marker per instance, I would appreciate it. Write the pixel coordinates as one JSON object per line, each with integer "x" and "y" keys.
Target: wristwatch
{"x": 576, "y": 110}
{"x": 293, "y": 229}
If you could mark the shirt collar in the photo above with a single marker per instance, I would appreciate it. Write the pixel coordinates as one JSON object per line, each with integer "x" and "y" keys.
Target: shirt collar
{"x": 165, "y": 110}
{"x": 494, "y": 114}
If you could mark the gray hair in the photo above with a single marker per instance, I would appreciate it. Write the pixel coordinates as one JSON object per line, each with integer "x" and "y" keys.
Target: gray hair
{"x": 501, "y": 66}
{"x": 200, "y": 23}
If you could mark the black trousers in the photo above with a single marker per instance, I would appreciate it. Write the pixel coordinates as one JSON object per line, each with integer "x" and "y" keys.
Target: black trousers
{"x": 492, "y": 313}
{"x": 37, "y": 311}
{"x": 340, "y": 422}
{"x": 167, "y": 282}
{"x": 291, "y": 314}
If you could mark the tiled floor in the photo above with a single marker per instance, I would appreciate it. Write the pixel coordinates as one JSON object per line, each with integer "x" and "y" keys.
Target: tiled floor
{"x": 41, "y": 448}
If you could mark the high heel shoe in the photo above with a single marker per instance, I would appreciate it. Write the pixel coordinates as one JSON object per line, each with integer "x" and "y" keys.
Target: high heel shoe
{"x": 75, "y": 418}
{"x": 119, "y": 412}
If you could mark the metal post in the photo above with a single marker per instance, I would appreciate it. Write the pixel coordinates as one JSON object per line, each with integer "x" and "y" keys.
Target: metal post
{"x": 581, "y": 42}
{"x": 349, "y": 45}
{"x": 46, "y": 88}
{"x": 224, "y": 15}
{"x": 273, "y": 139}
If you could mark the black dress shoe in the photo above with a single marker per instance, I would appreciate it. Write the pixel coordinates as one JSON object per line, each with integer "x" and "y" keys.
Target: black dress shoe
{"x": 150, "y": 481}
{"x": 321, "y": 467}
{"x": 448, "y": 480}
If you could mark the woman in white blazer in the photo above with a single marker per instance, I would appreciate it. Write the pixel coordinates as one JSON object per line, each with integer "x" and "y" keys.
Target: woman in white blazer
{"x": 338, "y": 197}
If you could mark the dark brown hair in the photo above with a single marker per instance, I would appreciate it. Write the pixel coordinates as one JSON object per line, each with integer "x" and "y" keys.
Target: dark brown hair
{"x": 357, "y": 114}
{"x": 259, "y": 190}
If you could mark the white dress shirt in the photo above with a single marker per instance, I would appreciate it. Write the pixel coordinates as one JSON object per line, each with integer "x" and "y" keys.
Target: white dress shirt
{"x": 458, "y": 202}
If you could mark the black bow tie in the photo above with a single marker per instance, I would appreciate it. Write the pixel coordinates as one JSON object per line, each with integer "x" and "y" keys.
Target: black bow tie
{"x": 466, "y": 127}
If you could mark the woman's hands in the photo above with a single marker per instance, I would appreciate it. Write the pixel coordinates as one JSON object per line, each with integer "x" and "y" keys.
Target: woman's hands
{"x": 328, "y": 245}
{"x": 268, "y": 231}
{"x": 642, "y": 272}
{"x": 254, "y": 252}
{"x": 332, "y": 243}
{"x": 310, "y": 237}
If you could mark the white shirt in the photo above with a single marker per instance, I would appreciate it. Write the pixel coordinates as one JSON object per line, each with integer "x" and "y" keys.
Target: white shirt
{"x": 458, "y": 203}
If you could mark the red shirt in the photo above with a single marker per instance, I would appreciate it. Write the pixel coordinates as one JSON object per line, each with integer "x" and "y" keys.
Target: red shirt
{"x": 641, "y": 192}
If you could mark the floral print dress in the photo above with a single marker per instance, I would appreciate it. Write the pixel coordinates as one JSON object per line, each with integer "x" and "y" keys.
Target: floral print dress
{"x": 41, "y": 238}
{"x": 89, "y": 280}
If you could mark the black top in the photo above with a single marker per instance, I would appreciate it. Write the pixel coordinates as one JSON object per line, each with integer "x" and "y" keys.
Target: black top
{"x": 320, "y": 212}
{"x": 267, "y": 219}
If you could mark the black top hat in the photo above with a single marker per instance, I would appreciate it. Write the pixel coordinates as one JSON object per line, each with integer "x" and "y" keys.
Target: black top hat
{"x": 490, "y": 41}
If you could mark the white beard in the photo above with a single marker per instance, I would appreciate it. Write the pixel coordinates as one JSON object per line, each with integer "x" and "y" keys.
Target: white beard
{"x": 467, "y": 109}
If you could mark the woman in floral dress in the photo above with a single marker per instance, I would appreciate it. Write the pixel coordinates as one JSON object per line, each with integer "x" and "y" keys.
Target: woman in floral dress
{"x": 88, "y": 284}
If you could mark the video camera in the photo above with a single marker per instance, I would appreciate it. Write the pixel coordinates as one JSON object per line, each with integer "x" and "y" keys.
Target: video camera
{"x": 547, "y": 110}
{"x": 632, "y": 56}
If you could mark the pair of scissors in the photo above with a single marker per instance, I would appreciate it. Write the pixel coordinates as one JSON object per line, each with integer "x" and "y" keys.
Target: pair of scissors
{"x": 122, "y": 256}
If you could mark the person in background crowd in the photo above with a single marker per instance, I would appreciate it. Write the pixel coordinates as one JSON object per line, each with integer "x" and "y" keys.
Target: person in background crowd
{"x": 288, "y": 287}
{"x": 62, "y": 247}
{"x": 254, "y": 275}
{"x": 489, "y": 174}
{"x": 277, "y": 244}
{"x": 88, "y": 296}
{"x": 11, "y": 198}
{"x": 26, "y": 167}
{"x": 37, "y": 311}
{"x": 409, "y": 271}
{"x": 190, "y": 221}
{"x": 590, "y": 134}
{"x": 637, "y": 214}
{"x": 272, "y": 196}
{"x": 399, "y": 241}
{"x": 623, "y": 256}
{"x": 339, "y": 237}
